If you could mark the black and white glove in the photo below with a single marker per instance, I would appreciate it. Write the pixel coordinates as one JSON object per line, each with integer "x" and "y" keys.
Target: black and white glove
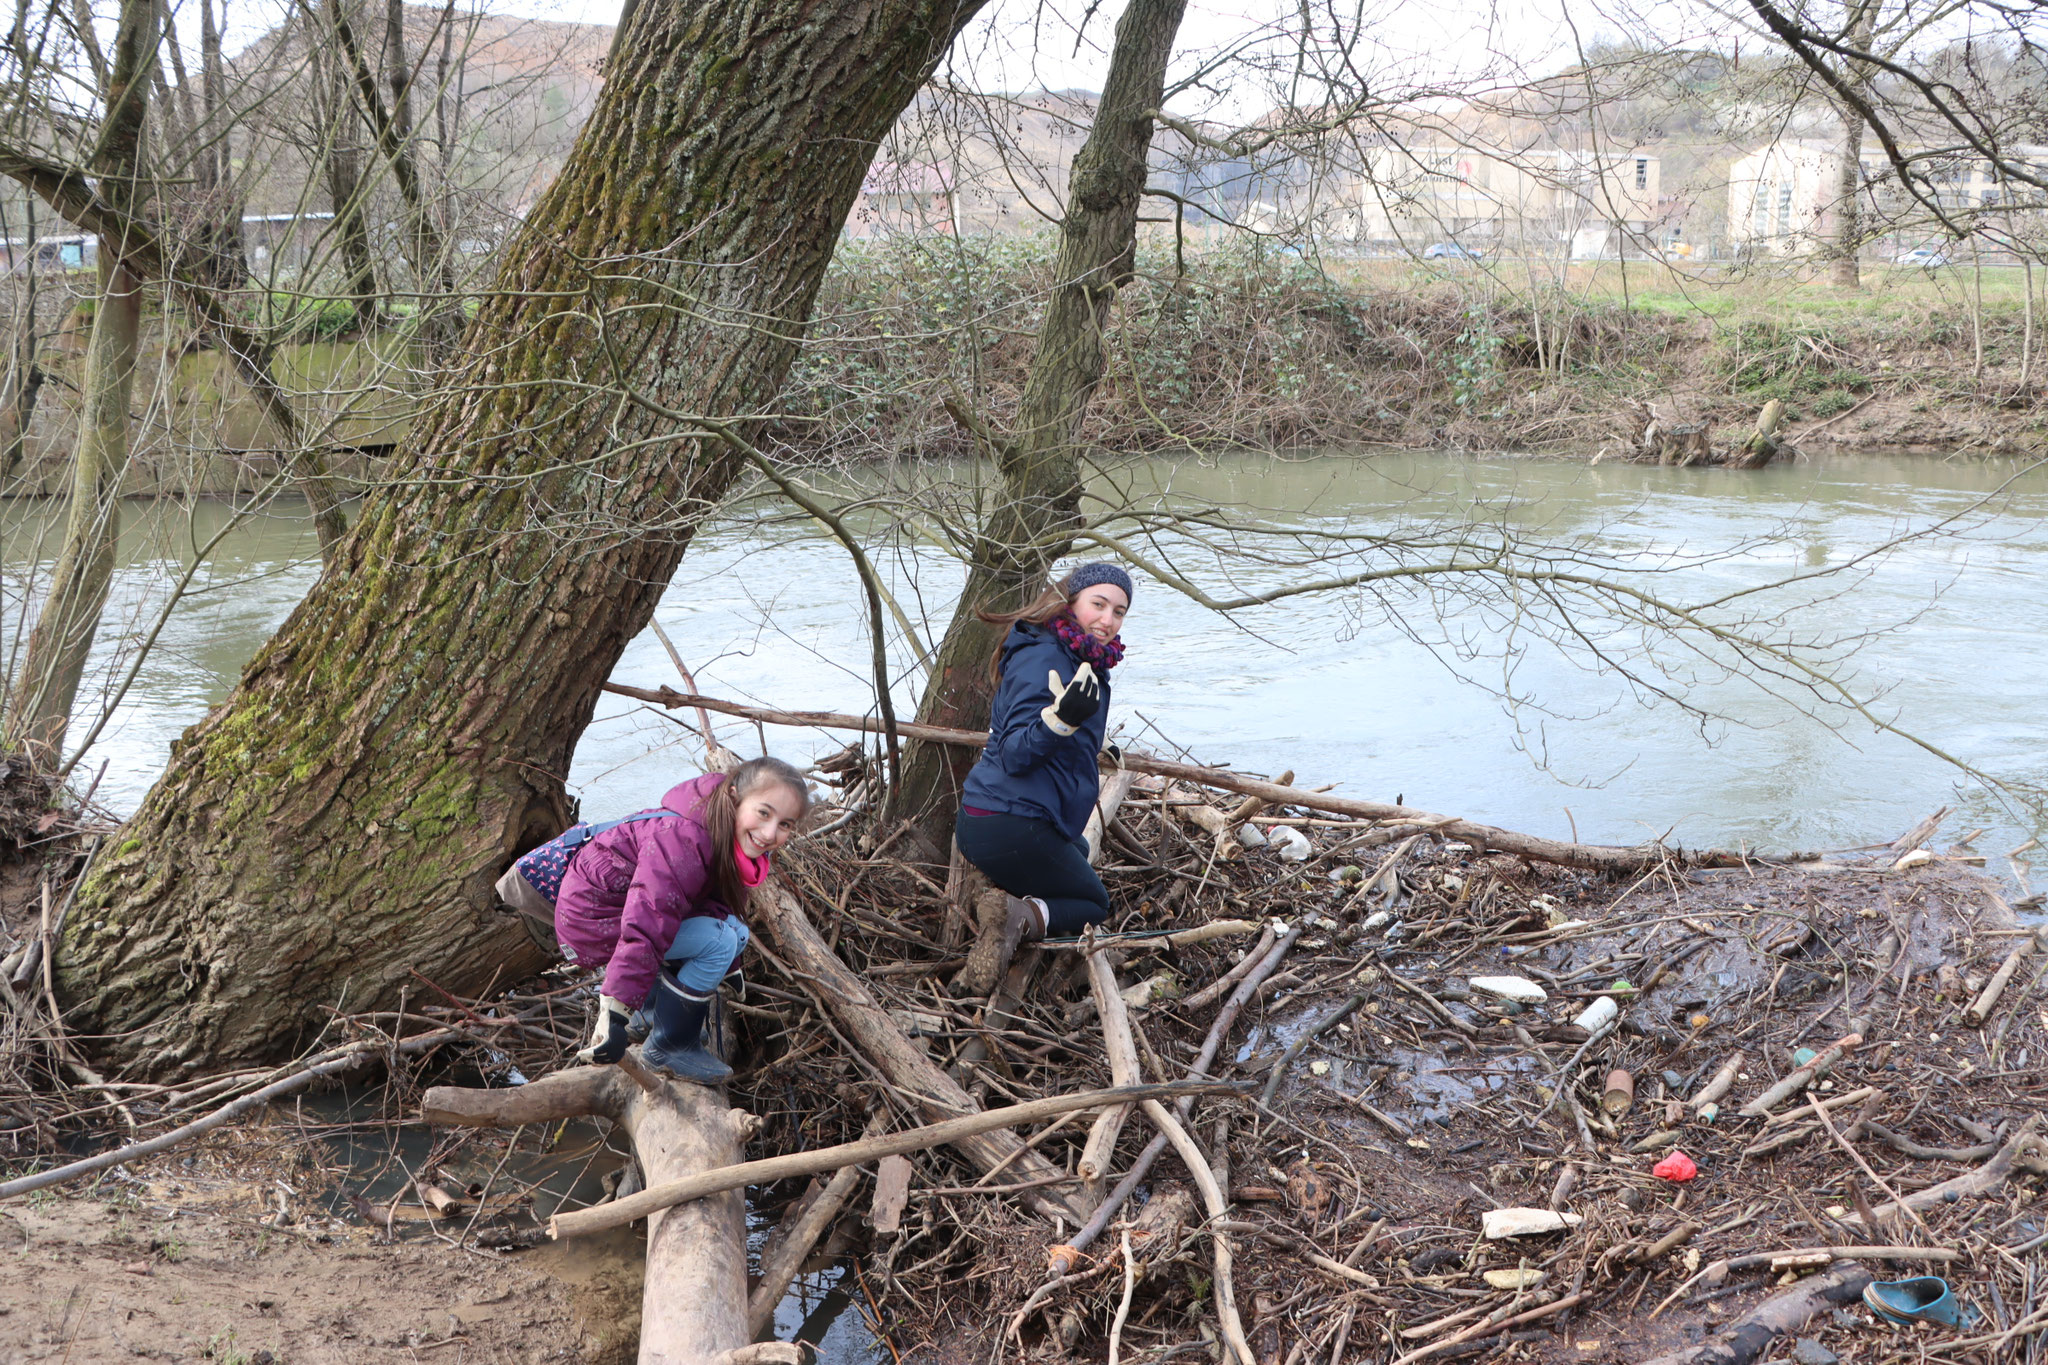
{"x": 608, "y": 1034}
{"x": 1072, "y": 702}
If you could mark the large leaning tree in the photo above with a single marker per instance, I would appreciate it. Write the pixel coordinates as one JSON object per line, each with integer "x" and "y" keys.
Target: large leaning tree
{"x": 330, "y": 833}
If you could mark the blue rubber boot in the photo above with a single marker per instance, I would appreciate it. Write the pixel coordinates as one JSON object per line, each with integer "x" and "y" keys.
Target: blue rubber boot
{"x": 675, "y": 1039}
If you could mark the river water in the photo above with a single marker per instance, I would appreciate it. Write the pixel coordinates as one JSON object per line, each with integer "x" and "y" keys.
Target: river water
{"x": 1448, "y": 692}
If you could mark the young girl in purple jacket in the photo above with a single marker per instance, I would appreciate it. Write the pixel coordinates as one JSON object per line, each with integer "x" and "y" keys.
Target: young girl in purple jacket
{"x": 657, "y": 901}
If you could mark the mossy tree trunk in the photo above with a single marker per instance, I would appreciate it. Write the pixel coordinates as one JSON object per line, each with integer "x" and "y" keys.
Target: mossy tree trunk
{"x": 1039, "y": 465}
{"x": 58, "y": 645}
{"x": 1844, "y": 268}
{"x": 329, "y": 834}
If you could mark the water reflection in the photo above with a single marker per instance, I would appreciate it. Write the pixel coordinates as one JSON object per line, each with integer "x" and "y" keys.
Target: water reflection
{"x": 1333, "y": 686}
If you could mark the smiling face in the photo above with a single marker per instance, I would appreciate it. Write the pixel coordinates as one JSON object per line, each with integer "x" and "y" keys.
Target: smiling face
{"x": 1100, "y": 610}
{"x": 766, "y": 818}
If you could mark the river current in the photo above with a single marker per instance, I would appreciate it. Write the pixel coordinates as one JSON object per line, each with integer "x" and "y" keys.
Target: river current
{"x": 1450, "y": 692}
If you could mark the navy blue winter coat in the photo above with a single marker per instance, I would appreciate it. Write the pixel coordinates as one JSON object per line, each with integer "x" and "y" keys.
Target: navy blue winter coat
{"x": 1027, "y": 769}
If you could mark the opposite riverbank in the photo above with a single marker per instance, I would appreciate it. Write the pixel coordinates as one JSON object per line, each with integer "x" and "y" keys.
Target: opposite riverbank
{"x": 1252, "y": 348}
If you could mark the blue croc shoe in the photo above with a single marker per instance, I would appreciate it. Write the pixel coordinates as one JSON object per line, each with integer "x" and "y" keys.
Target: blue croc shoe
{"x": 1924, "y": 1298}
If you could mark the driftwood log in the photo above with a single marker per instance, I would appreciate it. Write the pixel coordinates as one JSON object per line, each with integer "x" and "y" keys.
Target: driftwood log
{"x": 693, "y": 1310}
{"x": 845, "y": 995}
{"x": 1601, "y": 857}
{"x": 1743, "y": 1340}
{"x": 1762, "y": 445}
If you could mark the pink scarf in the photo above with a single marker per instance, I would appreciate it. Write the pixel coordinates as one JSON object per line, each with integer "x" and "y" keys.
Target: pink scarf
{"x": 753, "y": 871}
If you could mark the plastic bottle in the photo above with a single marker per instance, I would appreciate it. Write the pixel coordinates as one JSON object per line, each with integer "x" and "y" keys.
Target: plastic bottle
{"x": 1597, "y": 1013}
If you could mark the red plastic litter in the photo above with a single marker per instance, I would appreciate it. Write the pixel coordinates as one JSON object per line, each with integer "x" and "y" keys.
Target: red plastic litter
{"x": 1678, "y": 1166}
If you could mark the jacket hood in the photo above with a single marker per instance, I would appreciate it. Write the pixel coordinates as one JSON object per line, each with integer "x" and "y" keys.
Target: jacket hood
{"x": 684, "y": 798}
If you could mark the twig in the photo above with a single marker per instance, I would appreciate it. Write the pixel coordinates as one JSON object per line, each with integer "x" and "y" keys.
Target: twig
{"x": 1123, "y": 1309}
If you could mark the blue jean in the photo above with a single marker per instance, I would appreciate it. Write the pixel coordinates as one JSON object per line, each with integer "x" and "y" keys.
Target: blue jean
{"x": 704, "y": 950}
{"x": 1027, "y": 857}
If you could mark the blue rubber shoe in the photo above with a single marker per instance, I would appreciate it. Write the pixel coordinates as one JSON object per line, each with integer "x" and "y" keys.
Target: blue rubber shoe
{"x": 1924, "y": 1298}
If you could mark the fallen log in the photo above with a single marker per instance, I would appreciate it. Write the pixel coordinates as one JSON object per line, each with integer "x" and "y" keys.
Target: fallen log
{"x": 2024, "y": 1153}
{"x": 845, "y": 995}
{"x": 1743, "y": 1340}
{"x": 703, "y": 1184}
{"x": 1607, "y": 858}
{"x": 694, "y": 1305}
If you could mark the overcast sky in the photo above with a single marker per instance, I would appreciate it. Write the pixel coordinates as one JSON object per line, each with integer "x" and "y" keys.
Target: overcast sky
{"x": 1032, "y": 44}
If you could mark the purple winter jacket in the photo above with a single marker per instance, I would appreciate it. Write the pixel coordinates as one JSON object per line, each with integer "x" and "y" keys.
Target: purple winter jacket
{"x": 628, "y": 890}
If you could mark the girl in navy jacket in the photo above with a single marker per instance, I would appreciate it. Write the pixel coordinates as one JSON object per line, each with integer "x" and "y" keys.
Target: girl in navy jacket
{"x": 1026, "y": 801}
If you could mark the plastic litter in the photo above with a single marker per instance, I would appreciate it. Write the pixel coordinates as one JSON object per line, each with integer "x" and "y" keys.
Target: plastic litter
{"x": 1600, "y": 1012}
{"x": 1510, "y": 988}
{"x": 1678, "y": 1167}
{"x": 1619, "y": 1094}
{"x": 1499, "y": 1223}
{"x": 1293, "y": 844}
{"x": 1923, "y": 1298}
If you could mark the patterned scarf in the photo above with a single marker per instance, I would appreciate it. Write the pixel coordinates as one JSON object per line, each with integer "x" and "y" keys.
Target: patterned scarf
{"x": 1104, "y": 655}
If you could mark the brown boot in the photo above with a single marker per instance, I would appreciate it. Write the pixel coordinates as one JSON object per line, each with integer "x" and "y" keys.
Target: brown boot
{"x": 1022, "y": 924}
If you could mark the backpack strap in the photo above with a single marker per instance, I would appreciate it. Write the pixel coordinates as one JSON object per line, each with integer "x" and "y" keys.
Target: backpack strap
{"x": 592, "y": 831}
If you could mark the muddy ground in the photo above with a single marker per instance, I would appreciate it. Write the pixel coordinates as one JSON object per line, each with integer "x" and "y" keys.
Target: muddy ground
{"x": 178, "y": 1264}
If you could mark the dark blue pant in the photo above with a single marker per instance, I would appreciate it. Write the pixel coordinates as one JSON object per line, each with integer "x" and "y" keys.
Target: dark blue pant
{"x": 1029, "y": 857}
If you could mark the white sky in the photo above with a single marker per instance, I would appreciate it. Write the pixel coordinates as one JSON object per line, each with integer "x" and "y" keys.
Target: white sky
{"x": 1030, "y": 44}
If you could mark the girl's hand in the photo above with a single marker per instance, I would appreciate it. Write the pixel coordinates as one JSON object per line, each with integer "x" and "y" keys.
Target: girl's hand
{"x": 1072, "y": 702}
{"x": 608, "y": 1035}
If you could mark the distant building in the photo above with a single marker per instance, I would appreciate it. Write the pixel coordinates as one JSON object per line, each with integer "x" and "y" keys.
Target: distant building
{"x": 1591, "y": 203}
{"x": 1784, "y": 198}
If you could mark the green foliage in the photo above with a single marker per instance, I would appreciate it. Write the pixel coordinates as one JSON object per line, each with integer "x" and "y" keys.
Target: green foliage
{"x": 1475, "y": 360}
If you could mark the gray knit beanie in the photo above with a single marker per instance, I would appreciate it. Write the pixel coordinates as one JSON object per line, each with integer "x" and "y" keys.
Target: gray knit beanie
{"x": 1096, "y": 575}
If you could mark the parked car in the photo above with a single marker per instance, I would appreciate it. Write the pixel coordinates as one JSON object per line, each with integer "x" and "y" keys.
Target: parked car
{"x": 1449, "y": 251}
{"x": 1923, "y": 257}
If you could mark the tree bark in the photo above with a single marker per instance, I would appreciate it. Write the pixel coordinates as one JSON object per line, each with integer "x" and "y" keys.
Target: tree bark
{"x": 1039, "y": 465}
{"x": 1845, "y": 272}
{"x": 336, "y": 825}
{"x": 54, "y": 662}
{"x": 24, "y": 383}
{"x": 337, "y": 127}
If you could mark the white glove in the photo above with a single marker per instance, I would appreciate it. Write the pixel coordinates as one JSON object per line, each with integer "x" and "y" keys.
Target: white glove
{"x": 608, "y": 1034}
{"x": 1072, "y": 702}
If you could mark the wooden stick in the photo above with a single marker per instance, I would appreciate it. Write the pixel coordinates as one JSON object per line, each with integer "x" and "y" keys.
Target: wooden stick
{"x": 1831, "y": 1103}
{"x": 1197, "y": 1162}
{"x": 1803, "y": 1077}
{"x": 1857, "y": 1157}
{"x": 846, "y": 996}
{"x": 1487, "y": 1329}
{"x": 619, "y": 1212}
{"x": 1980, "y": 1008}
{"x": 1716, "y": 1089}
{"x": 1605, "y": 857}
{"x": 1222, "y": 985}
{"x": 2025, "y": 1149}
{"x": 1123, "y": 1071}
{"x": 1064, "y": 1257}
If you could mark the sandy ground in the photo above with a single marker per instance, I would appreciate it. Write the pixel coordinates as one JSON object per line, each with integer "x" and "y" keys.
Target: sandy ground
{"x": 163, "y": 1271}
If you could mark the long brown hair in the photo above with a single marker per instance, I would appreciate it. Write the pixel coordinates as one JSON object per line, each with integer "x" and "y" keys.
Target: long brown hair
{"x": 1050, "y": 602}
{"x": 721, "y": 815}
